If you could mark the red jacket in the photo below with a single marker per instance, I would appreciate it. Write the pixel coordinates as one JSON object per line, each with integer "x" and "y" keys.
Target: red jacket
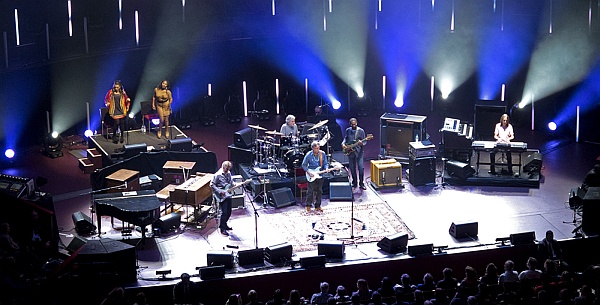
{"x": 125, "y": 102}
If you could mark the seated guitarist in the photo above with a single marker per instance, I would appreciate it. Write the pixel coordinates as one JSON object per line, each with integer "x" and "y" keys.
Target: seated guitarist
{"x": 315, "y": 160}
{"x": 354, "y": 140}
{"x": 220, "y": 183}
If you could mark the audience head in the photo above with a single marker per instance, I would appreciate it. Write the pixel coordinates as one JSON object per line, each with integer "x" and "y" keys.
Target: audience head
{"x": 252, "y": 295}
{"x": 362, "y": 285}
{"x": 324, "y": 287}
{"x": 509, "y": 265}
{"x": 448, "y": 272}
{"x": 531, "y": 263}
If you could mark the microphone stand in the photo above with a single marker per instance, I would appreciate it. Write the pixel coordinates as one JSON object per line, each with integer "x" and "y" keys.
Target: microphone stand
{"x": 255, "y": 219}
{"x": 352, "y": 237}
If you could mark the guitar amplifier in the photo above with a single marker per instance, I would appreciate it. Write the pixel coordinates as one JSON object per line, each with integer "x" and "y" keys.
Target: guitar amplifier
{"x": 387, "y": 174}
{"x": 379, "y": 162}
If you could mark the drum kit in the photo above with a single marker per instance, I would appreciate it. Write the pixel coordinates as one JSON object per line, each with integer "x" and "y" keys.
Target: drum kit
{"x": 291, "y": 149}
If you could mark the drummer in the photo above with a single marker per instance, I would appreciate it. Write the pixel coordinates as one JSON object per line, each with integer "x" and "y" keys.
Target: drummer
{"x": 289, "y": 128}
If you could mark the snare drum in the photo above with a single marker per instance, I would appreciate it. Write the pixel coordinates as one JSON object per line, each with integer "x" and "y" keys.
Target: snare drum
{"x": 293, "y": 159}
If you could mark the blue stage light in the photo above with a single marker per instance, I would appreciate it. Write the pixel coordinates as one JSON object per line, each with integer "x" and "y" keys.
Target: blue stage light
{"x": 552, "y": 126}
{"x": 336, "y": 104}
{"x": 88, "y": 133}
{"x": 9, "y": 153}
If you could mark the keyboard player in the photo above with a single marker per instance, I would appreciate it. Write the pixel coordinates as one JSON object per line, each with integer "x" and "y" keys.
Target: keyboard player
{"x": 503, "y": 134}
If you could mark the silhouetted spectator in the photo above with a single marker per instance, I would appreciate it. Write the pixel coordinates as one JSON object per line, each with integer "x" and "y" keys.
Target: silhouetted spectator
{"x": 253, "y": 298}
{"x": 322, "y": 296}
{"x": 448, "y": 281}
{"x": 428, "y": 283}
{"x": 490, "y": 277}
{"x": 277, "y": 298}
{"x": 184, "y": 292}
{"x": 363, "y": 291}
{"x": 115, "y": 297}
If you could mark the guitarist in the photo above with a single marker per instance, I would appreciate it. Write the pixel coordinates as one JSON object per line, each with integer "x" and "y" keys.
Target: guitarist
{"x": 313, "y": 160}
{"x": 353, "y": 135}
{"x": 221, "y": 180}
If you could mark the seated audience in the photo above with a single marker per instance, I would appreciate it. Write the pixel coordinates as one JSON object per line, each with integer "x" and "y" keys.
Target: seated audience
{"x": 363, "y": 291}
{"x": 322, "y": 296}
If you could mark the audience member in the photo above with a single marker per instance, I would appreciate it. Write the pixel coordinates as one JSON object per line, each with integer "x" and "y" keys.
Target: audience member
{"x": 341, "y": 294}
{"x": 490, "y": 277}
{"x": 184, "y": 292}
{"x": 470, "y": 282}
{"x": 277, "y": 299}
{"x": 565, "y": 297}
{"x": 460, "y": 298}
{"x": 407, "y": 288}
{"x": 509, "y": 275}
{"x": 140, "y": 299}
{"x": 115, "y": 297}
{"x": 363, "y": 290}
{"x": 234, "y": 299}
{"x": 8, "y": 247}
{"x": 418, "y": 298}
{"x": 448, "y": 281}
{"x": 387, "y": 289}
{"x": 586, "y": 296}
{"x": 531, "y": 274}
{"x": 253, "y": 298}
{"x": 428, "y": 283}
{"x": 354, "y": 299}
{"x": 375, "y": 299}
{"x": 549, "y": 248}
{"x": 440, "y": 297}
{"x": 322, "y": 296}
{"x": 294, "y": 298}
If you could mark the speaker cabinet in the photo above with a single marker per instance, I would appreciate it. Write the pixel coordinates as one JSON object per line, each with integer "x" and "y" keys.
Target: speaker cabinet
{"x": 220, "y": 258}
{"x": 340, "y": 191}
{"x": 243, "y": 138}
{"x": 460, "y": 230}
{"x": 132, "y": 150}
{"x": 278, "y": 254}
{"x": 532, "y": 162}
{"x": 526, "y": 238}
{"x": 420, "y": 250}
{"x": 211, "y": 273}
{"x": 397, "y": 130}
{"x": 251, "y": 257}
{"x": 76, "y": 244}
{"x": 394, "y": 244}
{"x": 421, "y": 171}
{"x": 312, "y": 262}
{"x": 281, "y": 197}
{"x": 239, "y": 156}
{"x": 459, "y": 169}
{"x": 331, "y": 249}
{"x": 181, "y": 144}
{"x": 83, "y": 223}
{"x": 167, "y": 223}
{"x": 591, "y": 211}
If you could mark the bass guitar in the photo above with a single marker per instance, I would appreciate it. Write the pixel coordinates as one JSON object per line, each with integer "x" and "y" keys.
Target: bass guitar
{"x": 227, "y": 191}
{"x": 316, "y": 173}
{"x": 350, "y": 147}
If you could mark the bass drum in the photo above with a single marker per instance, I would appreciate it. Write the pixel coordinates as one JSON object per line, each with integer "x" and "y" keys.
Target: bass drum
{"x": 293, "y": 159}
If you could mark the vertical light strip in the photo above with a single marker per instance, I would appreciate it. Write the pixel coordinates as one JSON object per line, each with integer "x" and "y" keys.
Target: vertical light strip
{"x": 324, "y": 22}
{"x": 330, "y": 6}
{"x": 17, "y": 27}
{"x": 502, "y": 94}
{"x": 272, "y": 7}
{"x": 432, "y": 5}
{"x": 432, "y": 91}
{"x": 383, "y": 88}
{"x": 137, "y": 29}
{"x": 306, "y": 94}
{"x": 532, "y": 113}
{"x": 590, "y": 17}
{"x": 70, "y": 12}
{"x": 577, "y": 126}
{"x": 452, "y": 20}
{"x": 502, "y": 18}
{"x": 245, "y": 98}
{"x": 379, "y": 5}
{"x": 5, "y": 38}
{"x": 87, "y": 104}
{"x": 550, "y": 21}
{"x": 183, "y": 11}
{"x": 120, "y": 14}
{"x": 494, "y": 6}
{"x": 277, "y": 93}
{"x": 85, "y": 35}
{"x": 209, "y": 89}
{"x": 47, "y": 41}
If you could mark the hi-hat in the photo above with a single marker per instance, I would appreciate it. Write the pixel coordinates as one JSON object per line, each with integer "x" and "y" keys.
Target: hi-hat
{"x": 275, "y": 133}
{"x": 319, "y": 124}
{"x": 257, "y": 127}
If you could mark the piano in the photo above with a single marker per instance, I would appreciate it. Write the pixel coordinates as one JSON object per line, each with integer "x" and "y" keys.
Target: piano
{"x": 140, "y": 208}
{"x": 493, "y": 145}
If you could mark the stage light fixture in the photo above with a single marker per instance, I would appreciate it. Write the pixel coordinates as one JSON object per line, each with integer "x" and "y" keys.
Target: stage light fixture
{"x": 552, "y": 126}
{"x": 336, "y": 104}
{"x": 53, "y": 145}
{"x": 156, "y": 121}
{"x": 399, "y": 103}
{"x": 9, "y": 153}
{"x": 88, "y": 133}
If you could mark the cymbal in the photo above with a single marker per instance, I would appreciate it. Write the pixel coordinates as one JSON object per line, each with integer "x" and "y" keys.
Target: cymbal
{"x": 257, "y": 127}
{"x": 319, "y": 124}
{"x": 275, "y": 133}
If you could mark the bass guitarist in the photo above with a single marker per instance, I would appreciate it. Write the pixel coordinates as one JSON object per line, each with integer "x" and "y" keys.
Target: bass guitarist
{"x": 219, "y": 184}
{"x": 354, "y": 140}
{"x": 314, "y": 160}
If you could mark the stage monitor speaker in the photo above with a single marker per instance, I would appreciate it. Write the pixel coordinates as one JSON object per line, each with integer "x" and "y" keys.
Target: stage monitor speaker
{"x": 340, "y": 191}
{"x": 212, "y": 273}
{"x": 243, "y": 138}
{"x": 132, "y": 150}
{"x": 525, "y": 238}
{"x": 394, "y": 244}
{"x": 83, "y": 223}
{"x": 590, "y": 212}
{"x": 281, "y": 197}
{"x": 420, "y": 250}
{"x": 181, "y": 144}
{"x": 532, "y": 163}
{"x": 331, "y": 249}
{"x": 167, "y": 223}
{"x": 312, "y": 262}
{"x": 251, "y": 257}
{"x": 220, "y": 258}
{"x": 278, "y": 254}
{"x": 76, "y": 244}
{"x": 461, "y": 230}
{"x": 421, "y": 171}
{"x": 459, "y": 169}
{"x": 239, "y": 156}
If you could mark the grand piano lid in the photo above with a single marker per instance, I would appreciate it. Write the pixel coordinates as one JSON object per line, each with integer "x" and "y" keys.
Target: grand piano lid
{"x": 130, "y": 201}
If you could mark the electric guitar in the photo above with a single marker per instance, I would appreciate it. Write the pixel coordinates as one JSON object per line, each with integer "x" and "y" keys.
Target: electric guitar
{"x": 317, "y": 173}
{"x": 350, "y": 147}
{"x": 228, "y": 191}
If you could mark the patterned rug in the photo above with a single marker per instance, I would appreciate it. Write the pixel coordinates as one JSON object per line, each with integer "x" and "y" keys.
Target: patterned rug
{"x": 372, "y": 222}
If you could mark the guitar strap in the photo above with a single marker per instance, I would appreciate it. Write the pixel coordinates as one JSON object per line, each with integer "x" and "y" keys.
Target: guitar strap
{"x": 320, "y": 160}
